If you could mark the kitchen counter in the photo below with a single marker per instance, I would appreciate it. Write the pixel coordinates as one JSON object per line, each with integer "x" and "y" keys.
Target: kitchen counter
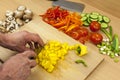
{"x": 108, "y": 69}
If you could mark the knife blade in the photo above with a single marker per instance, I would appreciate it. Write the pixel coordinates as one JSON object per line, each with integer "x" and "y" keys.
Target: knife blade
{"x": 68, "y": 5}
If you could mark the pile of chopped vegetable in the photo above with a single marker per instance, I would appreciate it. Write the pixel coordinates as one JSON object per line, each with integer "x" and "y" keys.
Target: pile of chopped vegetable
{"x": 66, "y": 22}
{"x": 54, "y": 51}
{"x": 98, "y": 22}
{"x": 85, "y": 27}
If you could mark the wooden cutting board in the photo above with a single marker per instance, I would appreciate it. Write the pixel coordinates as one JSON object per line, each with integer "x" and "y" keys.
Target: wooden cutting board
{"x": 65, "y": 69}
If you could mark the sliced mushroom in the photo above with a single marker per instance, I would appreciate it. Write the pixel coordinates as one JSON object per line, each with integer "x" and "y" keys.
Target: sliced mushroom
{"x": 1, "y": 23}
{"x": 10, "y": 18}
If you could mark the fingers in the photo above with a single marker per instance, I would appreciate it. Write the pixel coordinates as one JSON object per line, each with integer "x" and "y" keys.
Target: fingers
{"x": 31, "y": 45}
{"x": 29, "y": 54}
{"x": 23, "y": 48}
{"x": 32, "y": 63}
{"x": 36, "y": 39}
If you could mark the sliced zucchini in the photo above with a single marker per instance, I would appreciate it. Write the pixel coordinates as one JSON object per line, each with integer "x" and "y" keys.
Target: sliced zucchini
{"x": 89, "y": 20}
{"x": 106, "y": 19}
{"x": 83, "y": 14}
{"x": 86, "y": 23}
{"x": 88, "y": 15}
{"x": 93, "y": 16}
{"x": 84, "y": 18}
{"x": 94, "y": 19}
{"x": 104, "y": 25}
{"x": 100, "y": 18}
{"x": 95, "y": 13}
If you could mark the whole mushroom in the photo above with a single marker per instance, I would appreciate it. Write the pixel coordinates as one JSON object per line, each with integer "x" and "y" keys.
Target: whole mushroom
{"x": 9, "y": 13}
{"x": 18, "y": 14}
{"x": 28, "y": 15}
{"x": 21, "y": 8}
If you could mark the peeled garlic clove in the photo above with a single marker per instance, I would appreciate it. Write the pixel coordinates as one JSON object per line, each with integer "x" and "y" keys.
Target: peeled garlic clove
{"x": 19, "y": 22}
{"x": 18, "y": 14}
{"x": 21, "y": 8}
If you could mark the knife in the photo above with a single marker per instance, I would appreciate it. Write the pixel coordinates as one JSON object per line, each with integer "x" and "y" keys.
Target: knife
{"x": 68, "y": 5}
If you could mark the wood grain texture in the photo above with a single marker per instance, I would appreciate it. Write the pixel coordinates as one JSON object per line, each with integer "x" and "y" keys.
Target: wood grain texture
{"x": 110, "y": 6}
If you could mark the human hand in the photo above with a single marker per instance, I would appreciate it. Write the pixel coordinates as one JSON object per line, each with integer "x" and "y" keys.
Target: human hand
{"x": 18, "y": 41}
{"x": 19, "y": 66}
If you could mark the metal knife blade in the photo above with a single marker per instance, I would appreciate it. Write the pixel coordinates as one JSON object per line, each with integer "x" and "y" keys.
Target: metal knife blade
{"x": 68, "y": 5}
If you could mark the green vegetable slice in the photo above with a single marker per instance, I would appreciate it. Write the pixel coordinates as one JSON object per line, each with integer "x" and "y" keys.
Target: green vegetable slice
{"x": 78, "y": 50}
{"x": 107, "y": 33}
{"x": 83, "y": 14}
{"x": 100, "y": 18}
{"x": 86, "y": 23}
{"x": 81, "y": 61}
{"x": 106, "y": 19}
{"x": 115, "y": 43}
{"x": 110, "y": 30}
{"x": 95, "y": 13}
{"x": 84, "y": 18}
{"x": 104, "y": 25}
{"x": 93, "y": 16}
{"x": 88, "y": 15}
{"x": 94, "y": 19}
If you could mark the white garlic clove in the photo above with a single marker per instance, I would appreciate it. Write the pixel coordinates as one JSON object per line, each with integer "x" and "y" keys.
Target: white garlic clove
{"x": 18, "y": 14}
{"x": 21, "y": 8}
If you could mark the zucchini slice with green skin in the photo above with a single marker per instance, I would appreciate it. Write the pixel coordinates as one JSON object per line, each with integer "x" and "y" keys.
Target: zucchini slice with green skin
{"x": 100, "y": 18}
{"x": 88, "y": 15}
{"x": 84, "y": 18}
{"x": 95, "y": 13}
{"x": 88, "y": 20}
{"x": 104, "y": 25}
{"x": 94, "y": 19}
{"x": 106, "y": 19}
{"x": 83, "y": 14}
{"x": 86, "y": 23}
{"x": 93, "y": 16}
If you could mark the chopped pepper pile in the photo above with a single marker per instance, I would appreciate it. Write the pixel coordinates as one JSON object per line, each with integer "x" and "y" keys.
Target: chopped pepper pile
{"x": 54, "y": 51}
{"x": 66, "y": 22}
